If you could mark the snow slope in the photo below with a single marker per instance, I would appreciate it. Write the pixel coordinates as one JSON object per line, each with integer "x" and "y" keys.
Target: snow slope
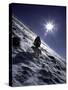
{"x": 31, "y": 66}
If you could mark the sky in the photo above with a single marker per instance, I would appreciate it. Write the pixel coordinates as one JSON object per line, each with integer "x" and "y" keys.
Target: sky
{"x": 36, "y": 16}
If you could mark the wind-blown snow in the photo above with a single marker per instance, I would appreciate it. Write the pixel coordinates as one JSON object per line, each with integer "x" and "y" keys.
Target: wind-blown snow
{"x": 31, "y": 66}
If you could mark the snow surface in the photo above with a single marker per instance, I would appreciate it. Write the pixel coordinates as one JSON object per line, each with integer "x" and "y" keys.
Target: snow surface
{"x": 31, "y": 66}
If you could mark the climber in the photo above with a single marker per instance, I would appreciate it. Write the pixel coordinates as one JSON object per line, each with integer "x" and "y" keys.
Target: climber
{"x": 37, "y": 42}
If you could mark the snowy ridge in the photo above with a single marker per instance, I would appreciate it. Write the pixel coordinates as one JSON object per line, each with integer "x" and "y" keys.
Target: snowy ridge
{"x": 23, "y": 27}
{"x": 33, "y": 66}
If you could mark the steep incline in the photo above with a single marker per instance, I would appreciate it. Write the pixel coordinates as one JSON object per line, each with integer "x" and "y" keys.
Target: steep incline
{"x": 33, "y": 66}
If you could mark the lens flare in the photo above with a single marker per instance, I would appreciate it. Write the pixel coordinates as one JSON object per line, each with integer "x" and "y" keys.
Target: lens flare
{"x": 49, "y": 27}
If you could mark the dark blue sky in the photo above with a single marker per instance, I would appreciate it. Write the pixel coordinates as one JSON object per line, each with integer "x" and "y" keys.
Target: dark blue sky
{"x": 34, "y": 16}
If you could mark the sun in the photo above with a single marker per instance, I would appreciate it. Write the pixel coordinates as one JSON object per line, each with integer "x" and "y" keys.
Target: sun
{"x": 49, "y": 27}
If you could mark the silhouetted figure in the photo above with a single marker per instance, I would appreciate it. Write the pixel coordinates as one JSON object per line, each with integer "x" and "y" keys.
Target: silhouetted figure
{"x": 37, "y": 42}
{"x": 16, "y": 42}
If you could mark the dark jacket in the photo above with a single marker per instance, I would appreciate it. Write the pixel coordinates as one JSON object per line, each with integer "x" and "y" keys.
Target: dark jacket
{"x": 37, "y": 42}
